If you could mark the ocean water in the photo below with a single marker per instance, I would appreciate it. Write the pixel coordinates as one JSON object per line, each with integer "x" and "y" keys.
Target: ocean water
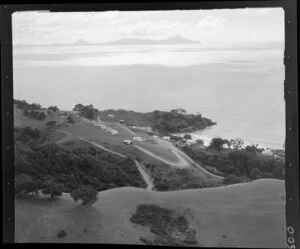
{"x": 238, "y": 86}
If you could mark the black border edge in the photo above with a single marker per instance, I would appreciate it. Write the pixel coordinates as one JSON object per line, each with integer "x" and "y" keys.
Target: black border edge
{"x": 8, "y": 206}
{"x": 290, "y": 93}
{"x": 292, "y": 142}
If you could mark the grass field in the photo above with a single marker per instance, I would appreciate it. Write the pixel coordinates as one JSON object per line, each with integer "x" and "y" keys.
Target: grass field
{"x": 244, "y": 215}
{"x": 159, "y": 150}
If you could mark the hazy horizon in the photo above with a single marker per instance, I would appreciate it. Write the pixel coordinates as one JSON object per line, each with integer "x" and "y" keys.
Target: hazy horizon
{"x": 234, "y": 78}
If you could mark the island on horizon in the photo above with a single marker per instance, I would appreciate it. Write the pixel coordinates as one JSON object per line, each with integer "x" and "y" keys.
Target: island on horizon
{"x": 172, "y": 40}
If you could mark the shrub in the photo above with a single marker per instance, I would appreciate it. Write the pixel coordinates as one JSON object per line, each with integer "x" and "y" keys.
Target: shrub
{"x": 71, "y": 120}
{"x": 61, "y": 234}
{"x": 51, "y": 124}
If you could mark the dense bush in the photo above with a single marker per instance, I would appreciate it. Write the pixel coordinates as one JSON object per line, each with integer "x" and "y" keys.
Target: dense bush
{"x": 38, "y": 115}
{"x": 51, "y": 124}
{"x": 87, "y": 111}
{"x": 250, "y": 163}
{"x": 25, "y": 184}
{"x": 71, "y": 120}
{"x": 26, "y": 134}
{"x": 178, "y": 121}
{"x": 70, "y": 169}
{"x": 21, "y": 104}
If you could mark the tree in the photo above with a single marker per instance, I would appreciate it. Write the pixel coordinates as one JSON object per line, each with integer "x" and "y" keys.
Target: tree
{"x": 237, "y": 143}
{"x": 53, "y": 108}
{"x": 78, "y": 107}
{"x": 227, "y": 142}
{"x": 86, "y": 194}
{"x": 52, "y": 188}
{"x": 216, "y": 143}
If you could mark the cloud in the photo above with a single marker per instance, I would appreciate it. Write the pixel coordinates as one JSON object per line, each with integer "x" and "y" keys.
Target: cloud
{"x": 262, "y": 11}
{"x": 214, "y": 25}
{"x": 212, "y": 22}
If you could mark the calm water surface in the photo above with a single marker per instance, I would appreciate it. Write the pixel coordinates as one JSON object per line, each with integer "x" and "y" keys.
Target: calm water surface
{"x": 240, "y": 87}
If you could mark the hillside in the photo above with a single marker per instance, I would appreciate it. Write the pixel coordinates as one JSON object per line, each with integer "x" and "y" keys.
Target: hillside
{"x": 161, "y": 121}
{"x": 244, "y": 215}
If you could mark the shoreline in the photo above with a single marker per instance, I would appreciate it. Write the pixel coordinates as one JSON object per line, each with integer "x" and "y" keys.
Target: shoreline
{"x": 207, "y": 138}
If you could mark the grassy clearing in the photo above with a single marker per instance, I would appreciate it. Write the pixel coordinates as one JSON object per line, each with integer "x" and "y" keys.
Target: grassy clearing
{"x": 159, "y": 150}
{"x": 170, "y": 229}
{"x": 246, "y": 215}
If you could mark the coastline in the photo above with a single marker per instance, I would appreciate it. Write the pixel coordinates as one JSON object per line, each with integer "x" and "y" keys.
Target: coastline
{"x": 202, "y": 134}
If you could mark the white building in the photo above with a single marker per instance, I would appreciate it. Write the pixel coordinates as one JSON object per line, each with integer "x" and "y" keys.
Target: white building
{"x": 190, "y": 141}
{"x": 127, "y": 142}
{"x": 167, "y": 138}
{"x": 139, "y": 139}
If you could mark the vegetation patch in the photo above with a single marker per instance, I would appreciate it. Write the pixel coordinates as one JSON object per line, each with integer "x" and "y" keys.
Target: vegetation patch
{"x": 62, "y": 234}
{"x": 169, "y": 228}
{"x": 166, "y": 178}
{"x": 164, "y": 122}
{"x": 244, "y": 163}
{"x": 81, "y": 171}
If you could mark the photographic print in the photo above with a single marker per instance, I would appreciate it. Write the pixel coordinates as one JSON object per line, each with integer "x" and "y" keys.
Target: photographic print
{"x": 150, "y": 127}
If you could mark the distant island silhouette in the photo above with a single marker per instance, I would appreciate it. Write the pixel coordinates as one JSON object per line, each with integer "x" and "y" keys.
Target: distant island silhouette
{"x": 124, "y": 41}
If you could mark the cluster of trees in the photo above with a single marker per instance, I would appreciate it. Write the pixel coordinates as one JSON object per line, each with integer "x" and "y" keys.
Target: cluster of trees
{"x": 53, "y": 108}
{"x": 22, "y": 104}
{"x": 218, "y": 143}
{"x": 26, "y": 134}
{"x": 35, "y": 114}
{"x": 179, "y": 121}
{"x": 51, "y": 169}
{"x": 244, "y": 163}
{"x": 31, "y": 110}
{"x": 87, "y": 111}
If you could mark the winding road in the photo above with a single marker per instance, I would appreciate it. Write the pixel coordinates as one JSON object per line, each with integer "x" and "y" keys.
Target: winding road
{"x": 139, "y": 166}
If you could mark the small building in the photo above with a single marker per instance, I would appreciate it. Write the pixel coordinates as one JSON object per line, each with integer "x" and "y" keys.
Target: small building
{"x": 122, "y": 121}
{"x": 111, "y": 115}
{"x": 128, "y": 142}
{"x": 167, "y": 138}
{"x": 190, "y": 142}
{"x": 154, "y": 136}
{"x": 139, "y": 139}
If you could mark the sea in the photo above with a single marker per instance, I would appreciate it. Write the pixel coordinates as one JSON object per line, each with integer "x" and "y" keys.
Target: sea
{"x": 239, "y": 86}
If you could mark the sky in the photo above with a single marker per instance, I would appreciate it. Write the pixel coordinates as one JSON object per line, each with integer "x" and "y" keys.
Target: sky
{"x": 208, "y": 26}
